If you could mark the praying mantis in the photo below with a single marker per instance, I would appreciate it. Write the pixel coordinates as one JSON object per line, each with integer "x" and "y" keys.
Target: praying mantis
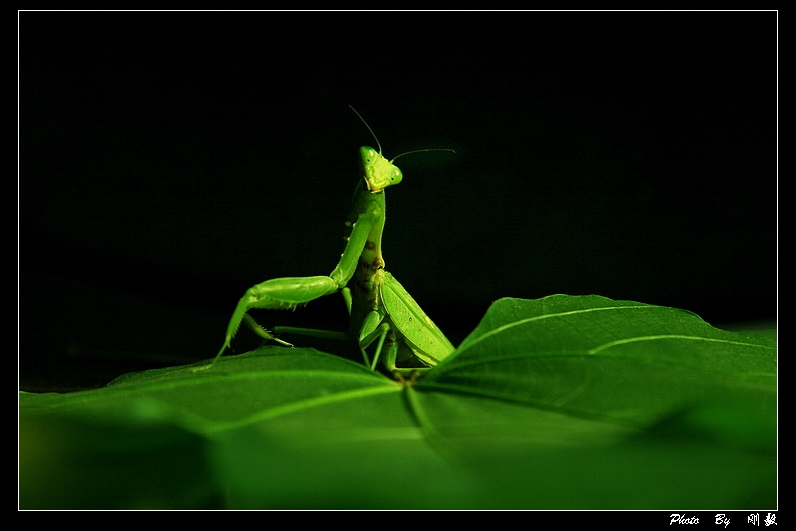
{"x": 382, "y": 313}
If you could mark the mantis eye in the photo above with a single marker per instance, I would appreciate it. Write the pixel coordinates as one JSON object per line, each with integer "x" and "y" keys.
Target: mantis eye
{"x": 396, "y": 176}
{"x": 368, "y": 155}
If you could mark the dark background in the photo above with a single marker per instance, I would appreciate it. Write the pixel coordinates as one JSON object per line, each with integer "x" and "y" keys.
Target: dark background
{"x": 168, "y": 161}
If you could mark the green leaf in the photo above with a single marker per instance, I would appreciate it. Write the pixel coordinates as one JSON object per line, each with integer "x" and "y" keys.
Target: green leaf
{"x": 614, "y": 360}
{"x": 561, "y": 402}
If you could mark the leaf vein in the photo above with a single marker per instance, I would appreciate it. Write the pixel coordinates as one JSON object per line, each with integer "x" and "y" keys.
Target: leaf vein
{"x": 512, "y": 324}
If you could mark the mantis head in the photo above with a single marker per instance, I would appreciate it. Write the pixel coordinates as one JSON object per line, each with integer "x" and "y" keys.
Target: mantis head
{"x": 379, "y": 172}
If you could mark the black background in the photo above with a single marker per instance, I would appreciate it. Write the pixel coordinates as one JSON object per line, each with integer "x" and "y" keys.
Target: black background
{"x": 168, "y": 161}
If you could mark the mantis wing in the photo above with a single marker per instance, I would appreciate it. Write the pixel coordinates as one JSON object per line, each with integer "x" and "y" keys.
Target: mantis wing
{"x": 421, "y": 334}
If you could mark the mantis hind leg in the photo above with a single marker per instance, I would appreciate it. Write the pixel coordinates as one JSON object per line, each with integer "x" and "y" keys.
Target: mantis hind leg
{"x": 391, "y": 352}
{"x": 385, "y": 335}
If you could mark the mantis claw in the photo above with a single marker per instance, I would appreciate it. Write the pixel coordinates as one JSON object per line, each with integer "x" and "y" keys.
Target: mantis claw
{"x": 262, "y": 332}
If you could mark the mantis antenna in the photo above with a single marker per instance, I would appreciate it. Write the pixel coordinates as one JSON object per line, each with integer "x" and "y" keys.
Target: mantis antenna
{"x": 422, "y": 150}
{"x": 402, "y": 154}
{"x": 369, "y": 129}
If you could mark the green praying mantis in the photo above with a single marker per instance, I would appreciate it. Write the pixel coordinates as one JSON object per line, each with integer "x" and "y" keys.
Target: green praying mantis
{"x": 382, "y": 313}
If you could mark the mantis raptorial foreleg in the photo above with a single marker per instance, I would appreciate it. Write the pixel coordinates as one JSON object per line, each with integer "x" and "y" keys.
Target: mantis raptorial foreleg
{"x": 381, "y": 310}
{"x": 291, "y": 292}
